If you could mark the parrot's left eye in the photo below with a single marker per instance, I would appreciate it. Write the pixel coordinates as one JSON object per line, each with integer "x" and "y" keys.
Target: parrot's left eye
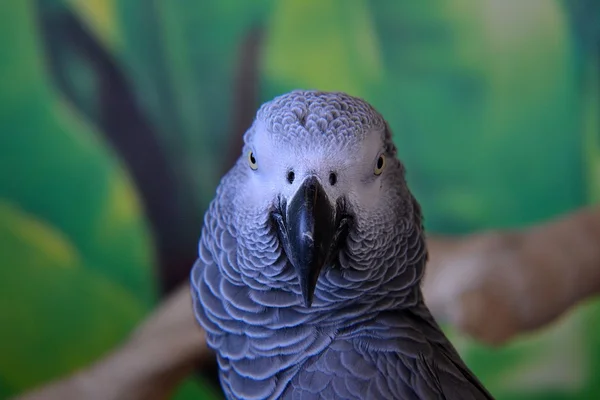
{"x": 252, "y": 160}
{"x": 380, "y": 165}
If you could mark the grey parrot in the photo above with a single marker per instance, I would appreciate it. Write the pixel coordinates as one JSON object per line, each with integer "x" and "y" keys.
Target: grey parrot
{"x": 310, "y": 263}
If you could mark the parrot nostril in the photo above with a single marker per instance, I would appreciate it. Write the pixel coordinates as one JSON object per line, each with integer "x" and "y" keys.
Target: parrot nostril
{"x": 332, "y": 178}
{"x": 291, "y": 176}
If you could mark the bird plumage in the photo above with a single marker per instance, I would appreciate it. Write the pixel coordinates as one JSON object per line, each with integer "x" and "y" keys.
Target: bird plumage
{"x": 367, "y": 333}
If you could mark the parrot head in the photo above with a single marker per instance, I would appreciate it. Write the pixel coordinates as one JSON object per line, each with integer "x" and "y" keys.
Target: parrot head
{"x": 323, "y": 167}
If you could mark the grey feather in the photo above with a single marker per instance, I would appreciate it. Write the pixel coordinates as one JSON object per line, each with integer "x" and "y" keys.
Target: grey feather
{"x": 368, "y": 333}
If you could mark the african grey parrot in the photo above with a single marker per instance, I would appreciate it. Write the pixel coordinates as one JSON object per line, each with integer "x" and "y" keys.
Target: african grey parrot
{"x": 310, "y": 264}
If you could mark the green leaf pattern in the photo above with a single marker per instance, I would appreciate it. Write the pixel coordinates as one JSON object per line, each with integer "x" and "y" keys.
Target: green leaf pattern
{"x": 494, "y": 105}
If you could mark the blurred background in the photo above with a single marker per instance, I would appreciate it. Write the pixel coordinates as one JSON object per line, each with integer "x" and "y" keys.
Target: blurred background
{"x": 117, "y": 119}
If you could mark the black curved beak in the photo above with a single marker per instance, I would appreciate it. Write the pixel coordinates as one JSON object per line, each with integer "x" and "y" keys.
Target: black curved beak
{"x": 310, "y": 233}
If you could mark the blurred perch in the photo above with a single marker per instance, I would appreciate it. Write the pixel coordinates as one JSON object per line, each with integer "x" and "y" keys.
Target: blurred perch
{"x": 491, "y": 285}
{"x": 495, "y": 285}
{"x": 160, "y": 353}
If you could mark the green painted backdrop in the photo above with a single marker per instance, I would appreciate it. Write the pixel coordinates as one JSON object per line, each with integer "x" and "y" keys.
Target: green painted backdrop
{"x": 117, "y": 119}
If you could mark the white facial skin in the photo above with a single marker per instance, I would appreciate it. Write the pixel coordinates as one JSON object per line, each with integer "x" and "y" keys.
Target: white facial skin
{"x": 354, "y": 163}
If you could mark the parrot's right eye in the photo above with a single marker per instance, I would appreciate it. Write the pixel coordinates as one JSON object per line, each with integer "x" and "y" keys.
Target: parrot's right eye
{"x": 380, "y": 165}
{"x": 252, "y": 160}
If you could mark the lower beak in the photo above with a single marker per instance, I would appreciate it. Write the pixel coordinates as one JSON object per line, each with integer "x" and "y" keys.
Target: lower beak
{"x": 308, "y": 234}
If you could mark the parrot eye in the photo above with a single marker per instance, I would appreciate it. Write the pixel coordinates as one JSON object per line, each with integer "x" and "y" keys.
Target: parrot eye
{"x": 380, "y": 165}
{"x": 252, "y": 160}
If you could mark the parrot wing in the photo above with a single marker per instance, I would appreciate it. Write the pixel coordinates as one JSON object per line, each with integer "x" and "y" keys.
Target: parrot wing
{"x": 419, "y": 363}
{"x": 444, "y": 364}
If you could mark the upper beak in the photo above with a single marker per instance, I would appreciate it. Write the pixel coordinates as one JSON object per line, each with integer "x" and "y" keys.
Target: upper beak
{"x": 309, "y": 233}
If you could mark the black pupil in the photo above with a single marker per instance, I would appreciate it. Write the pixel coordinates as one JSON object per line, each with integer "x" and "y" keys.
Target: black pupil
{"x": 291, "y": 176}
{"x": 252, "y": 159}
{"x": 380, "y": 162}
{"x": 332, "y": 178}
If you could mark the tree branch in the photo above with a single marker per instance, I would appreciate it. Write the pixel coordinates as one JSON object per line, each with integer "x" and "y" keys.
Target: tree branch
{"x": 163, "y": 351}
{"x": 495, "y": 285}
